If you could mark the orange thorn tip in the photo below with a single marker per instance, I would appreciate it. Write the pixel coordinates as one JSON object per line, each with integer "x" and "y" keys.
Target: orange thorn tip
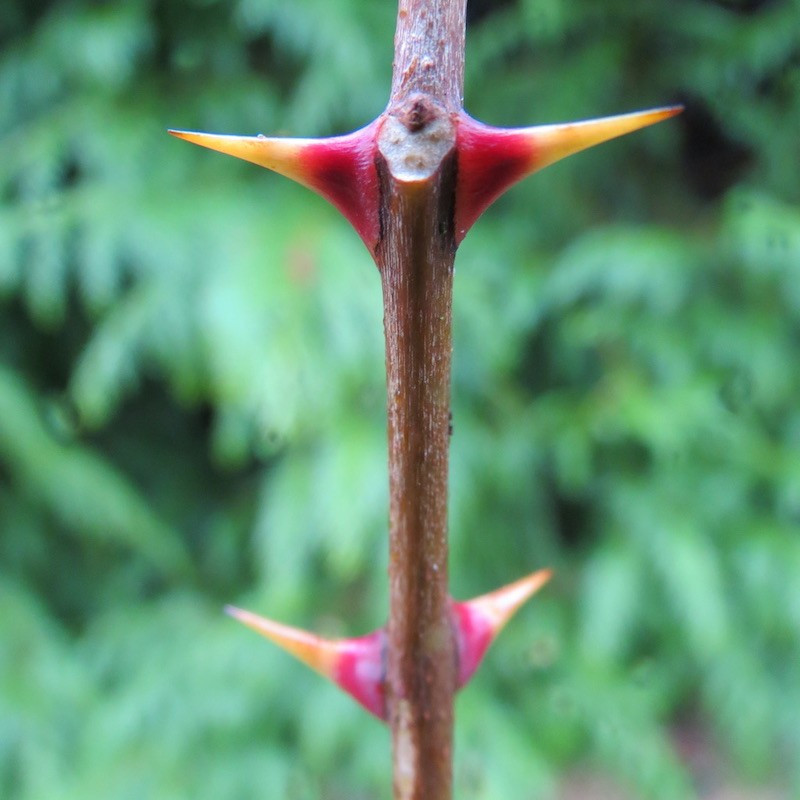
{"x": 355, "y": 665}
{"x": 340, "y": 168}
{"x": 315, "y": 652}
{"x": 480, "y": 620}
{"x": 490, "y": 159}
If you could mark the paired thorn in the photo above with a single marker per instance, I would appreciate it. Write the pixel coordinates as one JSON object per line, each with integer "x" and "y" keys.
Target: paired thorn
{"x": 490, "y": 160}
{"x": 355, "y": 665}
{"x": 358, "y": 666}
{"x": 343, "y": 168}
{"x": 479, "y": 621}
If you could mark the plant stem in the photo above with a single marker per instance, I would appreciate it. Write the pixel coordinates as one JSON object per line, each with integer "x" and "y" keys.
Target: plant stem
{"x": 417, "y": 287}
{"x": 415, "y": 254}
{"x": 429, "y": 52}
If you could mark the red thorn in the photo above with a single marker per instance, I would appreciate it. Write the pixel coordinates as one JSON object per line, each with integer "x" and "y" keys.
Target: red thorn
{"x": 480, "y": 620}
{"x": 340, "y": 168}
{"x": 355, "y": 665}
{"x": 490, "y": 159}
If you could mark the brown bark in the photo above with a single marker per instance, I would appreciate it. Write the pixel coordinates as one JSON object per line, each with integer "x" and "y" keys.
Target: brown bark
{"x": 417, "y": 168}
{"x": 429, "y": 52}
{"x": 417, "y": 286}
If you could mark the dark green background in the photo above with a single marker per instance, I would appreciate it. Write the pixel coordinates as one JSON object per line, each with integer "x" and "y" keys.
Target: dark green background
{"x": 192, "y": 403}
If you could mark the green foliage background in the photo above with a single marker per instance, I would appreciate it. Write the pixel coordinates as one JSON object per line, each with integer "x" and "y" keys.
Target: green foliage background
{"x": 192, "y": 401}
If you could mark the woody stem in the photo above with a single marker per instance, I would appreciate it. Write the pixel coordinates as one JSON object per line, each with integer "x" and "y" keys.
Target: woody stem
{"x": 417, "y": 169}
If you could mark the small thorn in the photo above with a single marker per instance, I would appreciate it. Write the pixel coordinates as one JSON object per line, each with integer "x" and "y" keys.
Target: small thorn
{"x": 355, "y": 665}
{"x": 480, "y": 620}
{"x": 490, "y": 159}
{"x": 340, "y": 168}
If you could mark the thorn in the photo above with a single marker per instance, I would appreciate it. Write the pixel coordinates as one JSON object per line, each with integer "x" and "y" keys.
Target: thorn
{"x": 490, "y": 159}
{"x": 340, "y": 168}
{"x": 480, "y": 620}
{"x": 355, "y": 665}
{"x": 358, "y": 665}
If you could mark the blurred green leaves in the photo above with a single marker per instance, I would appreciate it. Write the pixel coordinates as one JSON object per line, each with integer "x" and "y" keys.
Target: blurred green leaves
{"x": 192, "y": 402}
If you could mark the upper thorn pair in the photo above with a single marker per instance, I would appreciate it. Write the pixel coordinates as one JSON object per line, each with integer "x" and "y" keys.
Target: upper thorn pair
{"x": 489, "y": 160}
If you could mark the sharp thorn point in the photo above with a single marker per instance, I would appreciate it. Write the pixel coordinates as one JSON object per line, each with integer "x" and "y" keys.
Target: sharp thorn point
{"x": 551, "y": 143}
{"x": 312, "y": 650}
{"x": 493, "y": 159}
{"x": 355, "y": 665}
{"x": 340, "y": 168}
{"x": 500, "y": 605}
{"x": 231, "y": 611}
{"x": 480, "y": 620}
{"x": 279, "y": 155}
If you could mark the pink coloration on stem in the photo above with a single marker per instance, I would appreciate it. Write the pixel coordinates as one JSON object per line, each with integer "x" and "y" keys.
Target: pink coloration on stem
{"x": 359, "y": 665}
{"x": 361, "y": 671}
{"x": 490, "y": 159}
{"x": 340, "y": 168}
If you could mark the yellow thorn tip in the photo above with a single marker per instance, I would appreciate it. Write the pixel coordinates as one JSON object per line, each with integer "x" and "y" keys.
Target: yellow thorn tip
{"x": 551, "y": 143}
{"x": 500, "y": 605}
{"x": 279, "y": 155}
{"x": 314, "y": 651}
